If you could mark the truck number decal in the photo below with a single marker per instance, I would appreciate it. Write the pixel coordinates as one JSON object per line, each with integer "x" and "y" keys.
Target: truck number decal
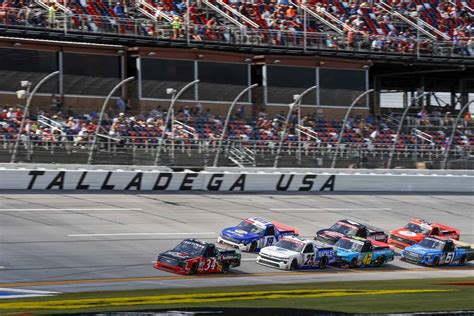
{"x": 209, "y": 264}
{"x": 269, "y": 241}
{"x": 309, "y": 261}
{"x": 367, "y": 259}
{"x": 448, "y": 257}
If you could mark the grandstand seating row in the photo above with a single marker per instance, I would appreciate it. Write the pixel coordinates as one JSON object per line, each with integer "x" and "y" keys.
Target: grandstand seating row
{"x": 394, "y": 25}
{"x": 147, "y": 128}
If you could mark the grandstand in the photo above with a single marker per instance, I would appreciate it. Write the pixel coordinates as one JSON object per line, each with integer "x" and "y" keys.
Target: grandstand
{"x": 416, "y": 55}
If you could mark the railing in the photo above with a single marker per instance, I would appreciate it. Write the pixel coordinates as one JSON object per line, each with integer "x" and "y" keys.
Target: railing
{"x": 191, "y": 152}
{"x": 145, "y": 28}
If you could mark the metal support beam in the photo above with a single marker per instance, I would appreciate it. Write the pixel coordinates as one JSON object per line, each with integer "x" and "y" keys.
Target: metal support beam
{"x": 297, "y": 103}
{"x": 453, "y": 132}
{"x": 168, "y": 115}
{"x": 27, "y": 107}
{"x": 395, "y": 142}
{"x": 101, "y": 116}
{"x": 334, "y": 158}
{"x": 226, "y": 123}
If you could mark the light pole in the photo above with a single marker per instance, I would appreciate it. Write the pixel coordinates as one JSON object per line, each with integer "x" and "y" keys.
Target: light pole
{"x": 453, "y": 132}
{"x": 334, "y": 158}
{"x": 168, "y": 114}
{"x": 297, "y": 103}
{"x": 101, "y": 116}
{"x": 27, "y": 106}
{"x": 226, "y": 123}
{"x": 395, "y": 142}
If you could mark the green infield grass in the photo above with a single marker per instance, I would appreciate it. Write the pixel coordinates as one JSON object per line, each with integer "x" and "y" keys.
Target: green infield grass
{"x": 355, "y": 296}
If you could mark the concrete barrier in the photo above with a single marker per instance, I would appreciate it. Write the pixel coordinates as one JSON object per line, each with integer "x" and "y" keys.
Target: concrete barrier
{"x": 234, "y": 180}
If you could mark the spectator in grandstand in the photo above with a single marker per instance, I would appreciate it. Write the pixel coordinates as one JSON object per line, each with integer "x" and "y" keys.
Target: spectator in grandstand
{"x": 467, "y": 119}
{"x": 119, "y": 10}
{"x": 176, "y": 25}
{"x": 52, "y": 15}
{"x": 121, "y": 105}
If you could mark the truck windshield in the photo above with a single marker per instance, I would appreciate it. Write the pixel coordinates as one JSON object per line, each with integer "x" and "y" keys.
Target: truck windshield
{"x": 350, "y": 245}
{"x": 192, "y": 248}
{"x": 343, "y": 229}
{"x": 431, "y": 243}
{"x": 250, "y": 228}
{"x": 417, "y": 228}
{"x": 290, "y": 245}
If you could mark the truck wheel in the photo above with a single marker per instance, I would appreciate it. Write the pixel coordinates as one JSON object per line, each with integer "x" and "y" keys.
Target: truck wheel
{"x": 253, "y": 246}
{"x": 353, "y": 263}
{"x": 323, "y": 263}
{"x": 436, "y": 261}
{"x": 225, "y": 267}
{"x": 462, "y": 261}
{"x": 193, "y": 269}
{"x": 294, "y": 265}
{"x": 380, "y": 261}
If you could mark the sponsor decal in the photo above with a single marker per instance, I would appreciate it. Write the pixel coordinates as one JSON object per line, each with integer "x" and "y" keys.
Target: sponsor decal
{"x": 407, "y": 233}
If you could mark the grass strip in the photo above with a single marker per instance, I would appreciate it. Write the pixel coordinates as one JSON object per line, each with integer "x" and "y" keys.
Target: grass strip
{"x": 357, "y": 296}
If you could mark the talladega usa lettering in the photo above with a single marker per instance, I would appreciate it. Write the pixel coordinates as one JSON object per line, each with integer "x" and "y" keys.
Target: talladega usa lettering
{"x": 86, "y": 180}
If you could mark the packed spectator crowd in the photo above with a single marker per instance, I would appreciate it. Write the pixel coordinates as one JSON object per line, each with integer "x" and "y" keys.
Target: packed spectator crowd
{"x": 192, "y": 124}
{"x": 365, "y": 25}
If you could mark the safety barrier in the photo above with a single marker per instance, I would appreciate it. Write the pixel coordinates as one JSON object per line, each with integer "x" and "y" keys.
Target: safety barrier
{"x": 235, "y": 180}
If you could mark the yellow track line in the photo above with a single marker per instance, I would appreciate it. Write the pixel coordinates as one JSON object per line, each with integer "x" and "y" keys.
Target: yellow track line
{"x": 237, "y": 275}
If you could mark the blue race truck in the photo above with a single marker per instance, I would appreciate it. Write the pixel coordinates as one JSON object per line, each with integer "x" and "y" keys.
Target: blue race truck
{"x": 252, "y": 234}
{"x": 355, "y": 252}
{"x": 435, "y": 251}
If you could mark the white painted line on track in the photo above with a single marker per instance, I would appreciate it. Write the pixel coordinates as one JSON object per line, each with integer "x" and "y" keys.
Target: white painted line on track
{"x": 66, "y": 209}
{"x": 330, "y": 209}
{"x": 138, "y": 234}
{"x": 2, "y": 267}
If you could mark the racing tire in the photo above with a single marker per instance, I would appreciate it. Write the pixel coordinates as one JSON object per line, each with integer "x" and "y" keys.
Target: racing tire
{"x": 253, "y": 246}
{"x": 193, "y": 269}
{"x": 294, "y": 264}
{"x": 462, "y": 261}
{"x": 380, "y": 261}
{"x": 225, "y": 267}
{"x": 353, "y": 263}
{"x": 436, "y": 261}
{"x": 323, "y": 263}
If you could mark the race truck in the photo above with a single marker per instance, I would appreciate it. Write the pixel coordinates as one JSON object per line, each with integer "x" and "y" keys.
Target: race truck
{"x": 417, "y": 229}
{"x": 349, "y": 228}
{"x": 292, "y": 252}
{"x": 252, "y": 234}
{"x": 434, "y": 251}
{"x": 193, "y": 256}
{"x": 355, "y": 252}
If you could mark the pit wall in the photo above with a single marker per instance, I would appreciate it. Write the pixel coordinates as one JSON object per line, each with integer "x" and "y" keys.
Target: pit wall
{"x": 232, "y": 180}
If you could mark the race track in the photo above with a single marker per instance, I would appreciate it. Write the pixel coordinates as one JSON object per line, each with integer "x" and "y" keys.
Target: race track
{"x": 88, "y": 242}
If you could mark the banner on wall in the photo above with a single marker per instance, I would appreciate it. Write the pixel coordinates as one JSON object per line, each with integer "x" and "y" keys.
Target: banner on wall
{"x": 227, "y": 181}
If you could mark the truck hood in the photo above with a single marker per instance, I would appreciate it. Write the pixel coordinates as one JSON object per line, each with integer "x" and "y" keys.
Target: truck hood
{"x": 420, "y": 250}
{"x": 179, "y": 256}
{"x": 278, "y": 252}
{"x": 344, "y": 253}
{"x": 238, "y": 234}
{"x": 330, "y": 235}
{"x": 407, "y": 234}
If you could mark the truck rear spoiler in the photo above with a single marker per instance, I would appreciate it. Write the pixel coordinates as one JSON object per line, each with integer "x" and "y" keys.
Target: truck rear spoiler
{"x": 286, "y": 228}
{"x": 462, "y": 245}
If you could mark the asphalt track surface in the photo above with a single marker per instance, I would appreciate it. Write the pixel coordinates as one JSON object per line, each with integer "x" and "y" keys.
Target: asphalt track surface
{"x": 69, "y": 242}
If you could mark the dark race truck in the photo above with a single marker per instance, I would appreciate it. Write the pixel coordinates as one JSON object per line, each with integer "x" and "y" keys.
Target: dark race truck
{"x": 349, "y": 228}
{"x": 193, "y": 256}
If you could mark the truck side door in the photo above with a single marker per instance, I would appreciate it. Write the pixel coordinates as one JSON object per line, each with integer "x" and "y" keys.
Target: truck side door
{"x": 309, "y": 257}
{"x": 209, "y": 262}
{"x": 269, "y": 236}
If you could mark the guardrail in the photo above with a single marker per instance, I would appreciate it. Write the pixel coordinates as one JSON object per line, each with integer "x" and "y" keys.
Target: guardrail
{"x": 200, "y": 153}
